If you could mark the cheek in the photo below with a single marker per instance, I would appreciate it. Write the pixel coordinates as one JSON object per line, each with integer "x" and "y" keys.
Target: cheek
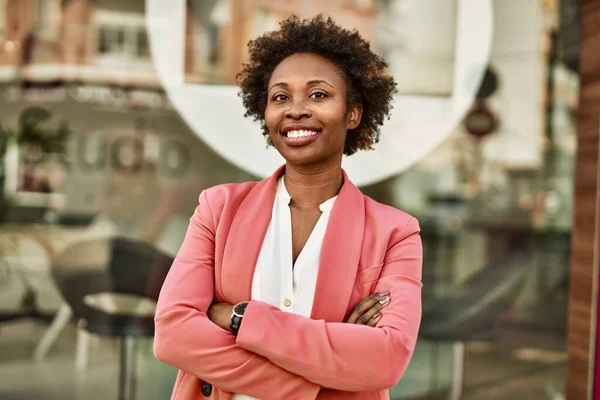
{"x": 338, "y": 121}
{"x": 271, "y": 119}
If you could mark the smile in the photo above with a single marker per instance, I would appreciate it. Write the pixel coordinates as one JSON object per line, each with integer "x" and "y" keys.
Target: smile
{"x": 296, "y": 137}
{"x": 300, "y": 134}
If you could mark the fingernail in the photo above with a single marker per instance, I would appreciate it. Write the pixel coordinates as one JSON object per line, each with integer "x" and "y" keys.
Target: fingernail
{"x": 377, "y": 316}
{"x": 382, "y": 294}
{"x": 384, "y": 301}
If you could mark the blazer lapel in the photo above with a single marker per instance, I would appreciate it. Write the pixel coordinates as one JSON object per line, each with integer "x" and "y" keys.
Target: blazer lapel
{"x": 340, "y": 255}
{"x": 244, "y": 240}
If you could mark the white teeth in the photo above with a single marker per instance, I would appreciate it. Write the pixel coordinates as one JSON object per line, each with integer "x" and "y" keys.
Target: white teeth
{"x": 302, "y": 133}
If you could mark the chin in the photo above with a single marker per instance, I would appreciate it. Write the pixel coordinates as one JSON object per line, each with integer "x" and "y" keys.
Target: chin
{"x": 301, "y": 159}
{"x": 305, "y": 158}
{"x": 306, "y": 155}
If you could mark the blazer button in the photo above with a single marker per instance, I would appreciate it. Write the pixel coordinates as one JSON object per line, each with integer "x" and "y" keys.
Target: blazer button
{"x": 206, "y": 389}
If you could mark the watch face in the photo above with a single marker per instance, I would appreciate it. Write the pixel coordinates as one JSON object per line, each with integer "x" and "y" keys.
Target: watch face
{"x": 240, "y": 308}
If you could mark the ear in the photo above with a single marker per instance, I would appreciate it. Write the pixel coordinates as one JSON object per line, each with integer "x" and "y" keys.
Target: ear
{"x": 354, "y": 116}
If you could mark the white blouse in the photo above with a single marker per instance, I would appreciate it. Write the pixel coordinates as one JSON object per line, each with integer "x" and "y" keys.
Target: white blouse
{"x": 276, "y": 281}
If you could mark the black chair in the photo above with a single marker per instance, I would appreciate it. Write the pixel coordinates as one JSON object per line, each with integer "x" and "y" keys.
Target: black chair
{"x": 112, "y": 286}
{"x": 471, "y": 310}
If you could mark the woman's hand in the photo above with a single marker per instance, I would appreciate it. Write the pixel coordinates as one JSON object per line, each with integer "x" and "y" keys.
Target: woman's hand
{"x": 220, "y": 315}
{"x": 367, "y": 312}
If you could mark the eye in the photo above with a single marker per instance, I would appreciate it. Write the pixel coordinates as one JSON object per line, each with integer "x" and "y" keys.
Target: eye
{"x": 280, "y": 97}
{"x": 318, "y": 95}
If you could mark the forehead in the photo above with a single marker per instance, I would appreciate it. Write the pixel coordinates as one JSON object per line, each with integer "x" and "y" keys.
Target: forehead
{"x": 303, "y": 67}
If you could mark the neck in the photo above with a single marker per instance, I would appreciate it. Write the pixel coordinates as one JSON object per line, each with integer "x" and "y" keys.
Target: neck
{"x": 312, "y": 186}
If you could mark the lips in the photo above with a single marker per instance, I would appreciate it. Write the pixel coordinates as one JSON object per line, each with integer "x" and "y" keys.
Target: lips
{"x": 300, "y": 135}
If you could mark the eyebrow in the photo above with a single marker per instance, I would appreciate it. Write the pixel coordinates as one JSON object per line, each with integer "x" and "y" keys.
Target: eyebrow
{"x": 312, "y": 82}
{"x": 317, "y": 81}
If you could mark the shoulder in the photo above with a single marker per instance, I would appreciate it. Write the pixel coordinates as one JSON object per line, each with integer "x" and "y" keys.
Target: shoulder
{"x": 219, "y": 196}
{"x": 383, "y": 217}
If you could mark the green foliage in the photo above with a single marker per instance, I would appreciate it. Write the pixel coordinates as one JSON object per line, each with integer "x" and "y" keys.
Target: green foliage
{"x": 30, "y": 132}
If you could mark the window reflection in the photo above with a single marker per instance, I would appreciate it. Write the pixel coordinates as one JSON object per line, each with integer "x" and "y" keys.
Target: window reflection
{"x": 108, "y": 156}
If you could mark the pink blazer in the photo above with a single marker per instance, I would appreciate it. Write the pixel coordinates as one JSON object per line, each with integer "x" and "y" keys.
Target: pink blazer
{"x": 368, "y": 247}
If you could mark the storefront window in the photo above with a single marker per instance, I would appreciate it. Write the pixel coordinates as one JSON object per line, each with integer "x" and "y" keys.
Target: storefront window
{"x": 92, "y": 149}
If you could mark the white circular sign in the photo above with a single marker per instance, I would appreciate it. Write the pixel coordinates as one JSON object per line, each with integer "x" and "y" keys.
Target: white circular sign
{"x": 418, "y": 123}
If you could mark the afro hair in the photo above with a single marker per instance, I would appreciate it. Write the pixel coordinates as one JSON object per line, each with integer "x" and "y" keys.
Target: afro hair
{"x": 369, "y": 83}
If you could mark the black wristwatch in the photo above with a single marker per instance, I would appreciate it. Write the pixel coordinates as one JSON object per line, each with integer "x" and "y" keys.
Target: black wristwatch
{"x": 237, "y": 316}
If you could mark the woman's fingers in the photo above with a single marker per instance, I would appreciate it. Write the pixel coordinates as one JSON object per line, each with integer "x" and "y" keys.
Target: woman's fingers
{"x": 362, "y": 307}
{"x": 366, "y": 309}
{"x": 372, "y": 315}
{"x": 374, "y": 320}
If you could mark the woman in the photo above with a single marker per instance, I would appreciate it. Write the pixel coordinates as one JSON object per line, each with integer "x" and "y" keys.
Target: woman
{"x": 298, "y": 286}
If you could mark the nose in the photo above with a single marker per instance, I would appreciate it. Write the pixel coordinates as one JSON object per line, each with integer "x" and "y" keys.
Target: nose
{"x": 297, "y": 110}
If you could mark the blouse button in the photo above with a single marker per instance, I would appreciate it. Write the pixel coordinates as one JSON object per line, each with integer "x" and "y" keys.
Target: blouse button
{"x": 287, "y": 302}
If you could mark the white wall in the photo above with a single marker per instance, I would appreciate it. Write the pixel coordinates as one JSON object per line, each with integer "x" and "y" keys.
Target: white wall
{"x": 518, "y": 60}
{"x": 418, "y": 40}
{"x": 517, "y": 57}
{"x": 422, "y": 62}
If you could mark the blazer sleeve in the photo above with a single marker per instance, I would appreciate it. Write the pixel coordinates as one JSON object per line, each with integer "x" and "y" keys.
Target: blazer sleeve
{"x": 186, "y": 339}
{"x": 346, "y": 356}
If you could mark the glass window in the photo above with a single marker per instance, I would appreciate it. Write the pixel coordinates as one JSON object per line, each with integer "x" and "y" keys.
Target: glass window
{"x": 143, "y": 47}
{"x": 106, "y": 155}
{"x": 111, "y": 40}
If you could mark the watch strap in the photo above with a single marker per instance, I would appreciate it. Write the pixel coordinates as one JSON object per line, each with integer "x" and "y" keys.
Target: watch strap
{"x": 236, "y": 322}
{"x": 237, "y": 316}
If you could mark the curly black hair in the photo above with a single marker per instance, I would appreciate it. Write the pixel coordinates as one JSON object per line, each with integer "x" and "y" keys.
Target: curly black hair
{"x": 369, "y": 83}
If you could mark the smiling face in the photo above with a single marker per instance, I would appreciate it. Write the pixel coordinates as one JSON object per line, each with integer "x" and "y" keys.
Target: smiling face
{"x": 307, "y": 114}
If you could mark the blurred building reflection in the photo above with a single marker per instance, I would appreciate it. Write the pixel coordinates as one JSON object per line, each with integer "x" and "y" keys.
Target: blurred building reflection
{"x": 218, "y": 30}
{"x": 77, "y": 40}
